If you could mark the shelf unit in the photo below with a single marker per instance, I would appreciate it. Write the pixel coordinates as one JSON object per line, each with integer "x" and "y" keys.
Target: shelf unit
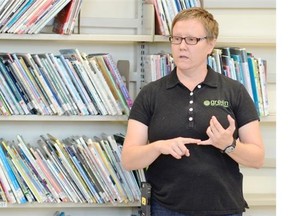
{"x": 118, "y": 42}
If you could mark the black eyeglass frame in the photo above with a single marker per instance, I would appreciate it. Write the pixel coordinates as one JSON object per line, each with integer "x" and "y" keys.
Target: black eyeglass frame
{"x": 185, "y": 39}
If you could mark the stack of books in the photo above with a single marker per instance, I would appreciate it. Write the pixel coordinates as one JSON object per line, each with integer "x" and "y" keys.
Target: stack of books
{"x": 251, "y": 71}
{"x": 166, "y": 10}
{"x": 70, "y": 83}
{"x": 76, "y": 169}
{"x": 31, "y": 16}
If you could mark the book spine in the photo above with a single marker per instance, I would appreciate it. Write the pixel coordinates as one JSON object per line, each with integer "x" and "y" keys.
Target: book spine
{"x": 117, "y": 76}
{"x": 12, "y": 179}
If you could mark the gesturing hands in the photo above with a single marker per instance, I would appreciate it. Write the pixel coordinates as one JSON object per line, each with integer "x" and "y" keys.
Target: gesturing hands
{"x": 177, "y": 146}
{"x": 218, "y": 136}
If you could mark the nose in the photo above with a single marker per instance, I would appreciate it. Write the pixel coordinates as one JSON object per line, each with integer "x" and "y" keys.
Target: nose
{"x": 183, "y": 43}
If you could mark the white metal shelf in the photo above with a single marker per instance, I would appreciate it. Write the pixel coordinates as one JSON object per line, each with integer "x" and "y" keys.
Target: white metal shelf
{"x": 253, "y": 199}
{"x": 78, "y": 37}
{"x": 72, "y": 118}
{"x": 68, "y": 205}
{"x": 235, "y": 41}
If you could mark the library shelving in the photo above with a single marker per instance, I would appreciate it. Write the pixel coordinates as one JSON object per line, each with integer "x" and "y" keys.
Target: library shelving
{"x": 125, "y": 36}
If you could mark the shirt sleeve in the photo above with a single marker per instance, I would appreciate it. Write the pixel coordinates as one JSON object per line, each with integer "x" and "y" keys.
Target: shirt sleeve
{"x": 245, "y": 109}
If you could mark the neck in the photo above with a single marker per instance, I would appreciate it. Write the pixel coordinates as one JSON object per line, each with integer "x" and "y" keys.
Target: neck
{"x": 191, "y": 78}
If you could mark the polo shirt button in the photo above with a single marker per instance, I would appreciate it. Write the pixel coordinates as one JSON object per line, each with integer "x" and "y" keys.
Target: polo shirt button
{"x": 199, "y": 86}
{"x": 190, "y": 118}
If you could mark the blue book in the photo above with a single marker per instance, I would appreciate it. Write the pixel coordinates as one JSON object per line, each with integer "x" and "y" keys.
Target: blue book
{"x": 238, "y": 68}
{"x": 254, "y": 86}
{"x": 12, "y": 178}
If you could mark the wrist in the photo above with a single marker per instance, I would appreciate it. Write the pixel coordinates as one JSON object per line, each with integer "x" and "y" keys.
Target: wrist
{"x": 230, "y": 148}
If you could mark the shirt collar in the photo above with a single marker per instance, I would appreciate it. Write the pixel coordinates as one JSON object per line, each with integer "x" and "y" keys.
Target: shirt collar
{"x": 211, "y": 78}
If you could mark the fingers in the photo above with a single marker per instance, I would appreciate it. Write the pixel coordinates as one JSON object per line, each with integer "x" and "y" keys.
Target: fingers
{"x": 179, "y": 149}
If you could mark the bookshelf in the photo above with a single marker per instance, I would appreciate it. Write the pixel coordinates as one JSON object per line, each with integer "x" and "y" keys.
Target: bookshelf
{"x": 125, "y": 36}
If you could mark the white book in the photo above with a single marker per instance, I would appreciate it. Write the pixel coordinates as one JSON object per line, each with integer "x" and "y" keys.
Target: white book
{"x": 106, "y": 93}
{"x": 263, "y": 84}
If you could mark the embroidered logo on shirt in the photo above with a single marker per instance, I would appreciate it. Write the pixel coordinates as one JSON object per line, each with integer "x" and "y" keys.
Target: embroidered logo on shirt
{"x": 222, "y": 103}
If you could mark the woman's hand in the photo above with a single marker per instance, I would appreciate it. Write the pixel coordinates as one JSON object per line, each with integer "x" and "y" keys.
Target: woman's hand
{"x": 219, "y": 136}
{"x": 176, "y": 147}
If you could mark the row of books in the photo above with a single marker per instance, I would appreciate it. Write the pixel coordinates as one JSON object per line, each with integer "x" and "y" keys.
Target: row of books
{"x": 166, "y": 10}
{"x": 156, "y": 66}
{"x": 251, "y": 71}
{"x": 69, "y": 83}
{"x": 233, "y": 62}
{"x": 29, "y": 16}
{"x": 77, "y": 169}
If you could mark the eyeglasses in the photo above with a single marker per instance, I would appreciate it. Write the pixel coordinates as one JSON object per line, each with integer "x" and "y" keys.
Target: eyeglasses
{"x": 188, "y": 40}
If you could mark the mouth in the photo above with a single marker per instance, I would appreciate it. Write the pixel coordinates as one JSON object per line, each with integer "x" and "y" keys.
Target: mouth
{"x": 183, "y": 57}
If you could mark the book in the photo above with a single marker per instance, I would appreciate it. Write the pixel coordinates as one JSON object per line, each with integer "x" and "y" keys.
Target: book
{"x": 61, "y": 20}
{"x": 49, "y": 14}
{"x": 56, "y": 97}
{"x": 115, "y": 186}
{"x": 18, "y": 17}
{"x": 73, "y": 18}
{"x": 12, "y": 178}
{"x": 108, "y": 97}
{"x": 262, "y": 70}
{"x": 84, "y": 161}
{"x": 70, "y": 85}
{"x": 4, "y": 107}
{"x": 57, "y": 169}
{"x": 71, "y": 149}
{"x": 10, "y": 196}
{"x": 78, "y": 84}
{"x": 81, "y": 68}
{"x": 24, "y": 187}
{"x": 100, "y": 165}
{"x": 59, "y": 71}
{"x": 42, "y": 83}
{"x": 9, "y": 16}
{"x": 12, "y": 72}
{"x": 126, "y": 178}
{"x": 72, "y": 170}
{"x": 253, "y": 70}
{"x": 9, "y": 96}
{"x": 51, "y": 72}
{"x": 40, "y": 94}
{"x": 242, "y": 53}
{"x": 24, "y": 171}
{"x": 27, "y": 84}
{"x": 36, "y": 14}
{"x": 111, "y": 82}
{"x": 13, "y": 87}
{"x": 159, "y": 26}
{"x": 97, "y": 177}
{"x": 118, "y": 78}
{"x": 43, "y": 186}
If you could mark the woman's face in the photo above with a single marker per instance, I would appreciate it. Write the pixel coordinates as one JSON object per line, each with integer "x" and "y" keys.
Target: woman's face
{"x": 190, "y": 56}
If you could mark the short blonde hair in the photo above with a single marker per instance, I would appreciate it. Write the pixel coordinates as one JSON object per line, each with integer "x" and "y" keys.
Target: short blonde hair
{"x": 206, "y": 18}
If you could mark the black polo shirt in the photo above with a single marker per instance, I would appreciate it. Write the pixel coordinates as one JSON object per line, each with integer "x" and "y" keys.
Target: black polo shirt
{"x": 208, "y": 182}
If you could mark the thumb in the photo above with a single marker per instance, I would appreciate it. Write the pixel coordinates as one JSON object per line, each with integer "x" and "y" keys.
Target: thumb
{"x": 205, "y": 142}
{"x": 231, "y": 123}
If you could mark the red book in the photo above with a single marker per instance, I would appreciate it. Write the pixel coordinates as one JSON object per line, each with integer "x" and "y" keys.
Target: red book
{"x": 61, "y": 21}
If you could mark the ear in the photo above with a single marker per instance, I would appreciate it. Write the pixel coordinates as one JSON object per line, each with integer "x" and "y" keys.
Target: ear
{"x": 212, "y": 44}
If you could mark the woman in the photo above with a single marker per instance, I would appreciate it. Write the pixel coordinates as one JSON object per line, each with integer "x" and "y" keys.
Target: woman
{"x": 193, "y": 128}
